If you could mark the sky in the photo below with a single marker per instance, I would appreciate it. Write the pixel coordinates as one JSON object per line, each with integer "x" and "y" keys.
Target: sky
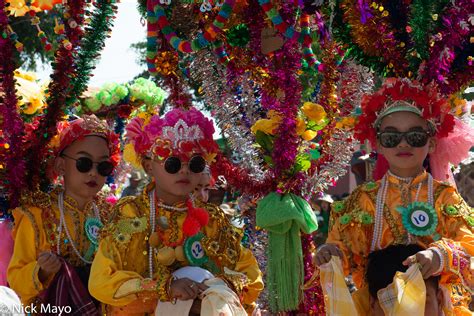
{"x": 118, "y": 61}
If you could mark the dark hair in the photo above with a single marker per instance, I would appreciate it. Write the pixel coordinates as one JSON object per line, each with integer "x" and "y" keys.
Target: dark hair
{"x": 383, "y": 264}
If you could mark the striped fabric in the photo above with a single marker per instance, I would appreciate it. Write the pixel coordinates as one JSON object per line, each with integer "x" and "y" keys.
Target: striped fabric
{"x": 337, "y": 297}
{"x": 406, "y": 295}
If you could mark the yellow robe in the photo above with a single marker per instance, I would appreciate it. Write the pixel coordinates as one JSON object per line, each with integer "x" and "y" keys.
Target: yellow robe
{"x": 120, "y": 271}
{"x": 352, "y": 228}
{"x": 35, "y": 231}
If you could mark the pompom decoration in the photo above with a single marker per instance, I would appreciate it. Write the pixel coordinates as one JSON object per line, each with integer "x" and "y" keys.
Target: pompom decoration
{"x": 196, "y": 218}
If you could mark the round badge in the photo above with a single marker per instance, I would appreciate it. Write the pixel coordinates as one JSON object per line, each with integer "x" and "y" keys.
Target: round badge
{"x": 194, "y": 250}
{"x": 92, "y": 228}
{"x": 419, "y": 218}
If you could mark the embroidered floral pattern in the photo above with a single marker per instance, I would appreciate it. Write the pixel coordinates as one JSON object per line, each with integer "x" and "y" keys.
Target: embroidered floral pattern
{"x": 338, "y": 206}
{"x": 345, "y": 219}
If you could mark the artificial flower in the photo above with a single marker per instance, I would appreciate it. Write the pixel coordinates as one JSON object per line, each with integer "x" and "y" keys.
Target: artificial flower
{"x": 268, "y": 126}
{"x": 300, "y": 126}
{"x": 309, "y": 135}
{"x": 314, "y": 111}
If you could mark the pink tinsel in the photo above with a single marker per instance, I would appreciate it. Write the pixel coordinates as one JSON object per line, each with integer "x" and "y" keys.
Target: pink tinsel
{"x": 6, "y": 246}
{"x": 451, "y": 150}
{"x": 12, "y": 124}
{"x": 454, "y": 34}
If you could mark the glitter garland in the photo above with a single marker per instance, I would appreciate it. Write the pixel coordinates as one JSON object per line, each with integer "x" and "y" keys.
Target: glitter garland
{"x": 58, "y": 92}
{"x": 313, "y": 302}
{"x": 454, "y": 33}
{"x": 93, "y": 42}
{"x": 12, "y": 125}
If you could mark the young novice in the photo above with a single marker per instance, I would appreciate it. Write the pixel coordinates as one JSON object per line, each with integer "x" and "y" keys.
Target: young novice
{"x": 61, "y": 227}
{"x": 406, "y": 121}
{"x": 163, "y": 230}
{"x": 391, "y": 259}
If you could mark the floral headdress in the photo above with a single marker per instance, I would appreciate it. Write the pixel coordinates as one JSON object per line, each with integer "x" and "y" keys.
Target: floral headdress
{"x": 454, "y": 138}
{"x": 397, "y": 95}
{"x": 180, "y": 132}
{"x": 87, "y": 125}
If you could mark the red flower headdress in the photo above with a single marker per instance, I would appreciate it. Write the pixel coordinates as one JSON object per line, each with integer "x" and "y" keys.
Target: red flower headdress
{"x": 87, "y": 125}
{"x": 424, "y": 99}
{"x": 454, "y": 138}
{"x": 180, "y": 132}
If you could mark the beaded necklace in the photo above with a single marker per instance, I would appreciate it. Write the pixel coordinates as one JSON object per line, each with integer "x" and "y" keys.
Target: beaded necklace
{"x": 380, "y": 204}
{"x": 62, "y": 222}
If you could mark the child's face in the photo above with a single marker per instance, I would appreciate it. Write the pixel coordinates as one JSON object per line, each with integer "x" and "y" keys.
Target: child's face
{"x": 203, "y": 187}
{"x": 83, "y": 185}
{"x": 179, "y": 184}
{"x": 405, "y": 158}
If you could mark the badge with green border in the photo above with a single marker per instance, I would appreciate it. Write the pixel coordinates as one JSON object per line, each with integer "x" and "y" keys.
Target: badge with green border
{"x": 194, "y": 251}
{"x": 92, "y": 227}
{"x": 419, "y": 218}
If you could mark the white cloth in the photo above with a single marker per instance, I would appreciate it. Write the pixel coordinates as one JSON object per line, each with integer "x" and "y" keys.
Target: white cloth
{"x": 10, "y": 304}
{"x": 218, "y": 299}
{"x": 182, "y": 308}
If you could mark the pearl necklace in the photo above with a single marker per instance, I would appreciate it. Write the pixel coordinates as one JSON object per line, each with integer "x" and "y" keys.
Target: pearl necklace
{"x": 151, "y": 250}
{"x": 62, "y": 222}
{"x": 380, "y": 203}
{"x": 151, "y": 198}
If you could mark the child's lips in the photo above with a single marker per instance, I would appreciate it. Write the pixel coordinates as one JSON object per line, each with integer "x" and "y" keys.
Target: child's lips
{"x": 91, "y": 184}
{"x": 404, "y": 154}
{"x": 183, "y": 181}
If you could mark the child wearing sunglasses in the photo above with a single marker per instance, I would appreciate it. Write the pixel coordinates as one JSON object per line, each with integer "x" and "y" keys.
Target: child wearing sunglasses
{"x": 407, "y": 122}
{"x": 164, "y": 230}
{"x": 61, "y": 227}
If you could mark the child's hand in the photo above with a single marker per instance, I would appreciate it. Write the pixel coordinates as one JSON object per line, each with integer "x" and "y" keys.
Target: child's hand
{"x": 185, "y": 289}
{"x": 428, "y": 260}
{"x": 49, "y": 265}
{"x": 325, "y": 252}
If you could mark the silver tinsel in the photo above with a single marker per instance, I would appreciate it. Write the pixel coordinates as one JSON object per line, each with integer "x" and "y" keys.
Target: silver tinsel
{"x": 340, "y": 151}
{"x": 227, "y": 110}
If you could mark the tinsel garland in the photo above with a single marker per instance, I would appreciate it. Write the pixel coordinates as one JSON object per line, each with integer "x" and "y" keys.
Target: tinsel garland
{"x": 225, "y": 109}
{"x": 456, "y": 29}
{"x": 63, "y": 71}
{"x": 421, "y": 24}
{"x": 377, "y": 37}
{"x": 10, "y": 121}
{"x": 337, "y": 155}
{"x": 313, "y": 302}
{"x": 93, "y": 42}
{"x": 342, "y": 33}
{"x": 287, "y": 62}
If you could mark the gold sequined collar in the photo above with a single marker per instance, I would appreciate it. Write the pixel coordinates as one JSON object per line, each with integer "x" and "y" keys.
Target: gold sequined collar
{"x": 149, "y": 188}
{"x": 71, "y": 204}
{"x": 398, "y": 180}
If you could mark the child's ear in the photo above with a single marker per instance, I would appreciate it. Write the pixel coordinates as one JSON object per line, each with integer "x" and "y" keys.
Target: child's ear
{"x": 432, "y": 145}
{"x": 147, "y": 166}
{"x": 60, "y": 165}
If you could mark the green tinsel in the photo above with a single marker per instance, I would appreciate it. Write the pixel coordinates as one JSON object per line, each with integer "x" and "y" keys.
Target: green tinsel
{"x": 422, "y": 23}
{"x": 342, "y": 34}
{"x": 91, "y": 46}
{"x": 239, "y": 35}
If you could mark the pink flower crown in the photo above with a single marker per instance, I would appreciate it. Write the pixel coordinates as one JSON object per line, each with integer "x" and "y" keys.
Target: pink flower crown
{"x": 180, "y": 132}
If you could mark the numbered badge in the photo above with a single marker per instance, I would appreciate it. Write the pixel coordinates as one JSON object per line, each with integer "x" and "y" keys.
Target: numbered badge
{"x": 419, "y": 218}
{"x": 92, "y": 228}
{"x": 194, "y": 250}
